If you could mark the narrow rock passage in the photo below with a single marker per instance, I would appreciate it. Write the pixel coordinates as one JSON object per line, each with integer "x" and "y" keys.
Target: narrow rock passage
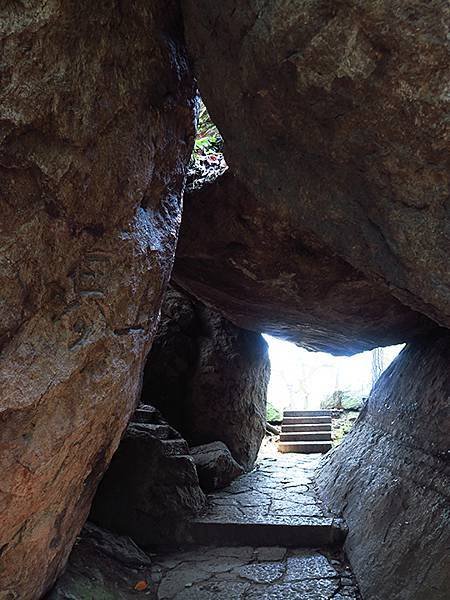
{"x": 266, "y": 536}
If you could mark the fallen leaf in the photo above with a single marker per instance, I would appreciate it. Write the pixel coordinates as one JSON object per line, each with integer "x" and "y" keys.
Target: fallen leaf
{"x": 141, "y": 586}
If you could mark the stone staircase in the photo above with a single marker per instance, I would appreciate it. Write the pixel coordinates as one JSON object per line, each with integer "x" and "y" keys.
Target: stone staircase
{"x": 151, "y": 489}
{"x": 306, "y": 431}
{"x": 148, "y": 420}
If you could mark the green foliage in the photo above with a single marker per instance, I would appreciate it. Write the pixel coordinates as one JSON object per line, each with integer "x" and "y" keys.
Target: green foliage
{"x": 342, "y": 400}
{"x": 343, "y": 425}
{"x": 208, "y": 139}
{"x": 273, "y": 414}
{"x": 207, "y": 160}
{"x": 352, "y": 402}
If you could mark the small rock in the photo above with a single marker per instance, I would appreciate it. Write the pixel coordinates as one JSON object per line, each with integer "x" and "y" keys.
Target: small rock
{"x": 216, "y": 467}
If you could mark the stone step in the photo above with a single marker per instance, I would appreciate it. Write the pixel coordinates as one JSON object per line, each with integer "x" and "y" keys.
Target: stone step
{"x": 174, "y": 447}
{"x": 305, "y": 427}
{"x": 307, "y": 413}
{"x": 159, "y": 431}
{"x": 306, "y": 420}
{"x": 304, "y": 447}
{"x": 305, "y": 532}
{"x": 146, "y": 414}
{"x": 306, "y": 436}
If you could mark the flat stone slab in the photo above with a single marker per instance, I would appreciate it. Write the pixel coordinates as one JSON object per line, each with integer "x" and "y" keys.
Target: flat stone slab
{"x": 275, "y": 504}
{"x": 306, "y": 420}
{"x": 307, "y": 427}
{"x": 252, "y": 573}
{"x": 306, "y": 436}
{"x": 307, "y": 413}
{"x": 303, "y": 447}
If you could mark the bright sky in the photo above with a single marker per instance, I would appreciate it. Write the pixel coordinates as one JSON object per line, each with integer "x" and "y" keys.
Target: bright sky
{"x": 301, "y": 379}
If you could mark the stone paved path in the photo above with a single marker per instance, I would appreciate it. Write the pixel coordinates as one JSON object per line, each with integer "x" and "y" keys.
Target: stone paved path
{"x": 274, "y": 504}
{"x": 247, "y": 573}
{"x": 265, "y": 537}
{"x": 279, "y": 490}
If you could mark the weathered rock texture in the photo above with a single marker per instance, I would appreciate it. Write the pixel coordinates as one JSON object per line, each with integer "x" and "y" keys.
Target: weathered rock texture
{"x": 103, "y": 566}
{"x": 216, "y": 467}
{"x": 208, "y": 377}
{"x": 95, "y": 107}
{"x": 248, "y": 260}
{"x": 390, "y": 478}
{"x": 151, "y": 488}
{"x": 334, "y": 114}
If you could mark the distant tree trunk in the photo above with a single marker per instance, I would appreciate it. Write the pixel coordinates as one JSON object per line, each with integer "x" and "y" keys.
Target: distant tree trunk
{"x": 377, "y": 363}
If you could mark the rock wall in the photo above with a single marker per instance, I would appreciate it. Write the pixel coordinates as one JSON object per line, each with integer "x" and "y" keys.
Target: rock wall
{"x": 208, "y": 377}
{"x": 335, "y": 114}
{"x": 247, "y": 260}
{"x": 390, "y": 478}
{"x": 96, "y": 119}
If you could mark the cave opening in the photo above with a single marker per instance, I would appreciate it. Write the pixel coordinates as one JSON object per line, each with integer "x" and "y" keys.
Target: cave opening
{"x": 303, "y": 382}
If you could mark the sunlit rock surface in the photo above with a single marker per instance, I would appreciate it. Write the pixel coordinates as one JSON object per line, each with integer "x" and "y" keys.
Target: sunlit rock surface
{"x": 96, "y": 117}
{"x": 390, "y": 478}
{"x": 248, "y": 260}
{"x": 335, "y": 116}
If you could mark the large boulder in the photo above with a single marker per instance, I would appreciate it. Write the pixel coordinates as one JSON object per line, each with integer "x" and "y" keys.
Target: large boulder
{"x": 263, "y": 274}
{"x": 208, "y": 377}
{"x": 335, "y": 116}
{"x": 390, "y": 478}
{"x": 215, "y": 466}
{"x": 96, "y": 116}
{"x": 151, "y": 489}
